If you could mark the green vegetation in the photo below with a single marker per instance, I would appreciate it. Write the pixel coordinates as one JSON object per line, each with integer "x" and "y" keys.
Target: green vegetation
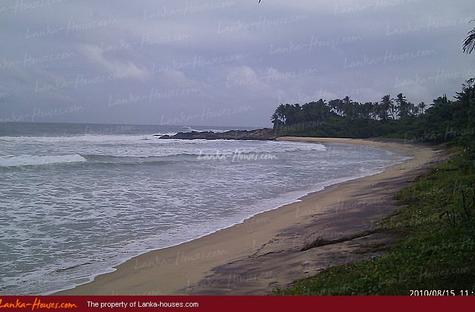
{"x": 437, "y": 218}
{"x": 443, "y": 121}
{"x": 437, "y": 251}
{"x": 436, "y": 221}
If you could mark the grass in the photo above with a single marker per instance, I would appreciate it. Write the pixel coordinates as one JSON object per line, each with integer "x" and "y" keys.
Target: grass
{"x": 437, "y": 249}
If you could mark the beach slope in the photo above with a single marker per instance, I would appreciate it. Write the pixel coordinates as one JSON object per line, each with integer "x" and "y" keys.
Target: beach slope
{"x": 272, "y": 249}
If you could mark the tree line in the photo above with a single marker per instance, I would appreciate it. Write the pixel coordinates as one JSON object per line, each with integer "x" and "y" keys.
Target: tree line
{"x": 440, "y": 121}
{"x": 443, "y": 120}
{"x": 387, "y": 109}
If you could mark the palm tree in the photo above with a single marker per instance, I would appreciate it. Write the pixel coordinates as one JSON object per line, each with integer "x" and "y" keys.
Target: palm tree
{"x": 469, "y": 42}
{"x": 385, "y": 107}
{"x": 279, "y": 117}
{"x": 421, "y": 107}
{"x": 403, "y": 105}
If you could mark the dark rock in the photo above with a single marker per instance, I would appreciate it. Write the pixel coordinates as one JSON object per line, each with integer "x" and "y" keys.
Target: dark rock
{"x": 257, "y": 134}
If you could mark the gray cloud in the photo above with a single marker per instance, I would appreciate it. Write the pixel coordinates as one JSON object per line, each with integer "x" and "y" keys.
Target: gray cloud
{"x": 221, "y": 62}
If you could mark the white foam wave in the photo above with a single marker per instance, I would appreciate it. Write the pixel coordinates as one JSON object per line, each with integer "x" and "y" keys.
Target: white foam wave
{"x": 31, "y": 160}
{"x": 79, "y": 138}
{"x": 190, "y": 129}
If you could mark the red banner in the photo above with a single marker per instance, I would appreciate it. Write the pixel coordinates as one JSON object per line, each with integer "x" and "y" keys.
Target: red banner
{"x": 229, "y": 304}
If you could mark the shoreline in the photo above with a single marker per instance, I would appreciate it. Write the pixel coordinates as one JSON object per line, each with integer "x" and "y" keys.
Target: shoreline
{"x": 190, "y": 266}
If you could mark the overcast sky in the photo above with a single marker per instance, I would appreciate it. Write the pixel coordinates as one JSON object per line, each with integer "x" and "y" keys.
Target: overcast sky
{"x": 222, "y": 63}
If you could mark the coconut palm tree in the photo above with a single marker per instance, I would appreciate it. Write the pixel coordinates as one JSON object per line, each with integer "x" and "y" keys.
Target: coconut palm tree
{"x": 421, "y": 107}
{"x": 469, "y": 42}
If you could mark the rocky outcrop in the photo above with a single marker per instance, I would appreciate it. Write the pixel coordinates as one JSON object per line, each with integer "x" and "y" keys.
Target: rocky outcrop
{"x": 257, "y": 134}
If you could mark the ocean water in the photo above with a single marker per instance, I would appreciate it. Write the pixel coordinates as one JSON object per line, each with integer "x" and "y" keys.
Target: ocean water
{"x": 75, "y": 200}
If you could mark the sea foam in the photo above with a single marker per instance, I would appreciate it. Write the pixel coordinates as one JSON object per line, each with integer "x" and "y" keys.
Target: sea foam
{"x": 31, "y": 160}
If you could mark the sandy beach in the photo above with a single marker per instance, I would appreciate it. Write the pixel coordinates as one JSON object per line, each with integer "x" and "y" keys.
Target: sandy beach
{"x": 274, "y": 248}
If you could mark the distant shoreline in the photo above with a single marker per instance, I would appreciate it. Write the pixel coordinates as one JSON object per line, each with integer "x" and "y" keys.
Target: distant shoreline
{"x": 273, "y": 248}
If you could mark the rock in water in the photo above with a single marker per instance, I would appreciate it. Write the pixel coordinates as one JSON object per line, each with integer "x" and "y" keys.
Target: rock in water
{"x": 257, "y": 134}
